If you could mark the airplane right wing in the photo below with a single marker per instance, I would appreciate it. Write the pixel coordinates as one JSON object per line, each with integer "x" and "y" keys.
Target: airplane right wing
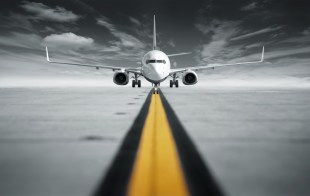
{"x": 131, "y": 70}
{"x": 212, "y": 66}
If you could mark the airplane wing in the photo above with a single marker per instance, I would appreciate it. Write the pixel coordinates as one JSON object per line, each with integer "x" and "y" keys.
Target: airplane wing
{"x": 212, "y": 66}
{"x": 131, "y": 70}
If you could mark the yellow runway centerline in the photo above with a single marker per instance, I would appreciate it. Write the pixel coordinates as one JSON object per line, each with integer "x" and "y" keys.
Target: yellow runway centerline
{"x": 157, "y": 169}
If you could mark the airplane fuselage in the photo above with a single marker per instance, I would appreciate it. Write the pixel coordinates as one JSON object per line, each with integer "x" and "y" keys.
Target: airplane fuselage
{"x": 155, "y": 66}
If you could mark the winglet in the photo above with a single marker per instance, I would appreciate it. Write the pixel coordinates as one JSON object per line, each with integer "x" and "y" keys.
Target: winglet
{"x": 47, "y": 57}
{"x": 263, "y": 53}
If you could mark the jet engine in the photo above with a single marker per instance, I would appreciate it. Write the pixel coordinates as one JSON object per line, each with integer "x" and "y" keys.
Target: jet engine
{"x": 189, "y": 78}
{"x": 121, "y": 78}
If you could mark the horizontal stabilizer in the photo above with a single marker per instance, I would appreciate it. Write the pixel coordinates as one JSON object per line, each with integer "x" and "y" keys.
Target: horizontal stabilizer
{"x": 179, "y": 54}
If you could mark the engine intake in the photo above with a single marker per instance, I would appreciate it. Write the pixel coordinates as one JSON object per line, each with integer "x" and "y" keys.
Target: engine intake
{"x": 189, "y": 78}
{"x": 121, "y": 78}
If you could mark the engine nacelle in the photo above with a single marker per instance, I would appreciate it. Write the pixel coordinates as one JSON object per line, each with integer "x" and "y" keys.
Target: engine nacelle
{"x": 189, "y": 78}
{"x": 121, "y": 78}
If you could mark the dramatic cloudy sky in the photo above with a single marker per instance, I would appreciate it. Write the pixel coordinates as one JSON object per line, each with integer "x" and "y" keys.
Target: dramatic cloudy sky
{"x": 118, "y": 32}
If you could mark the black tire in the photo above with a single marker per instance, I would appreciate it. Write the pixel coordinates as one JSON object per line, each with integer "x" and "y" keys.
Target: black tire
{"x": 177, "y": 83}
{"x": 133, "y": 84}
{"x": 139, "y": 83}
{"x": 171, "y": 83}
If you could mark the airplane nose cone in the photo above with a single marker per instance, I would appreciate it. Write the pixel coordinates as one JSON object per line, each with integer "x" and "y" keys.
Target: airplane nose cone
{"x": 155, "y": 72}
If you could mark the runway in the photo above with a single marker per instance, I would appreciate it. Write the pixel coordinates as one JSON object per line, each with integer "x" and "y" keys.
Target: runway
{"x": 157, "y": 157}
{"x": 74, "y": 141}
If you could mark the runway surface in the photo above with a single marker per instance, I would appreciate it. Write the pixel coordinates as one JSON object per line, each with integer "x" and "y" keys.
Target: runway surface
{"x": 64, "y": 141}
{"x": 256, "y": 141}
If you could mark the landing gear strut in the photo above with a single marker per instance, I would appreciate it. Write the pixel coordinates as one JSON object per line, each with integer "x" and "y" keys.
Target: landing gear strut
{"x": 158, "y": 84}
{"x": 135, "y": 81}
{"x": 174, "y": 81}
{"x": 155, "y": 88}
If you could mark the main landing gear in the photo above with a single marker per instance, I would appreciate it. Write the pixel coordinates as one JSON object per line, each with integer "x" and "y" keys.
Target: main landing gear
{"x": 174, "y": 81}
{"x": 136, "y": 81}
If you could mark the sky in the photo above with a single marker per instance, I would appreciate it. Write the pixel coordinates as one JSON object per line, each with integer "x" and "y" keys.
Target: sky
{"x": 119, "y": 33}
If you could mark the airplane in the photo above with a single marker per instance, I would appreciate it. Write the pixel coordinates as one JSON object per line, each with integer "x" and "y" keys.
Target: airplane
{"x": 155, "y": 68}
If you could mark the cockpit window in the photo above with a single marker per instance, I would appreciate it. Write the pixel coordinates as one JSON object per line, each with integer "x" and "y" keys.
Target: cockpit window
{"x": 155, "y": 61}
{"x": 150, "y": 61}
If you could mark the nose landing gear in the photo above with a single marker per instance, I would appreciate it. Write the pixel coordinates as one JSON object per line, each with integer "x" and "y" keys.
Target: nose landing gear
{"x": 156, "y": 89}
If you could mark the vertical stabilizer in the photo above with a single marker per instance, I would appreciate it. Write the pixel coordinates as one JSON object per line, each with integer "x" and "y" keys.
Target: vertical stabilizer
{"x": 154, "y": 35}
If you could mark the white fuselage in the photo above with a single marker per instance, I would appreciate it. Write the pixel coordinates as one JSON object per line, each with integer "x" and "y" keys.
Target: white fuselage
{"x": 155, "y": 66}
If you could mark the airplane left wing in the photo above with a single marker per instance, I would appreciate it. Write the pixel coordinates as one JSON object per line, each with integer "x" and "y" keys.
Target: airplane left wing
{"x": 212, "y": 66}
{"x": 131, "y": 70}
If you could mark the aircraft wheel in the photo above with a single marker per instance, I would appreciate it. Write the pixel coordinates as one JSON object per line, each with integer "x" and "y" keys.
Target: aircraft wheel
{"x": 171, "y": 83}
{"x": 133, "y": 84}
{"x": 177, "y": 83}
{"x": 139, "y": 83}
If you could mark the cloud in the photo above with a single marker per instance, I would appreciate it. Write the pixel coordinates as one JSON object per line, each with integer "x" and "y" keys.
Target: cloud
{"x": 21, "y": 40}
{"x": 68, "y": 40}
{"x": 287, "y": 52}
{"x": 103, "y": 21}
{"x": 262, "y": 31}
{"x": 305, "y": 39}
{"x": 171, "y": 43}
{"x": 128, "y": 40}
{"x": 13, "y": 22}
{"x": 86, "y": 8}
{"x": 253, "y": 45}
{"x": 275, "y": 54}
{"x": 46, "y": 13}
{"x": 135, "y": 21}
{"x": 211, "y": 49}
{"x": 249, "y": 7}
{"x": 16, "y": 21}
{"x": 219, "y": 33}
{"x": 219, "y": 29}
{"x": 49, "y": 29}
{"x": 124, "y": 39}
{"x": 306, "y": 32}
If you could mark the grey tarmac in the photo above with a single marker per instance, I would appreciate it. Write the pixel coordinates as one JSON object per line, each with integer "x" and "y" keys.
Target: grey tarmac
{"x": 60, "y": 141}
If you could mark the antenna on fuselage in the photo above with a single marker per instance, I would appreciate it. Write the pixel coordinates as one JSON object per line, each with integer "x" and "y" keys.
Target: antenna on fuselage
{"x": 154, "y": 35}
